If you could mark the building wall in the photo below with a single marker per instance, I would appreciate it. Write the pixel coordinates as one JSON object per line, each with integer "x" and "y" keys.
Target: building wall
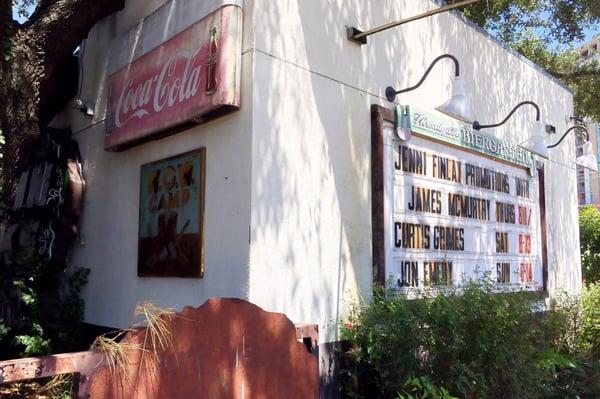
{"x": 594, "y": 131}
{"x": 588, "y": 187}
{"x": 288, "y": 207}
{"x": 588, "y": 181}
{"x": 110, "y": 218}
{"x": 311, "y": 206}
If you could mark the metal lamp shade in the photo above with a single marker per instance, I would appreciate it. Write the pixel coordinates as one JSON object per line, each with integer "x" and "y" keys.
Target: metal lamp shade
{"x": 459, "y": 105}
{"x": 537, "y": 143}
{"x": 588, "y": 159}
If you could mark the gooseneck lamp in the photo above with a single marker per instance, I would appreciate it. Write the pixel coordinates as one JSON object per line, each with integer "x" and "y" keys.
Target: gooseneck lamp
{"x": 587, "y": 159}
{"x": 458, "y": 106}
{"x": 535, "y": 144}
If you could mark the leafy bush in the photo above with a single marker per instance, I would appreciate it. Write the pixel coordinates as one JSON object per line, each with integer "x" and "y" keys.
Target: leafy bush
{"x": 474, "y": 343}
{"x": 589, "y": 331}
{"x": 49, "y": 311}
{"x": 423, "y": 387}
{"x": 589, "y": 233}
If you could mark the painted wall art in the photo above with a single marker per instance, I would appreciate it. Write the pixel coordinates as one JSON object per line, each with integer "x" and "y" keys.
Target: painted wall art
{"x": 171, "y": 230}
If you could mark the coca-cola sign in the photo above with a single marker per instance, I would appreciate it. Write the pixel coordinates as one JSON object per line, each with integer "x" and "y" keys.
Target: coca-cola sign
{"x": 190, "y": 78}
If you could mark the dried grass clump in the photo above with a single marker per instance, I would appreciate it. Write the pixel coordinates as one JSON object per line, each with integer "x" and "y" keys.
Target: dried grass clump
{"x": 58, "y": 386}
{"x": 155, "y": 321}
{"x": 115, "y": 353}
{"x": 156, "y": 331}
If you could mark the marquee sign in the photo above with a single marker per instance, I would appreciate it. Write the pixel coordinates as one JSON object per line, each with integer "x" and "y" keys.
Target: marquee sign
{"x": 179, "y": 65}
{"x": 448, "y": 215}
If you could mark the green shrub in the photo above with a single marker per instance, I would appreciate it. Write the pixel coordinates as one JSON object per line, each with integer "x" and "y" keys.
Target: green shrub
{"x": 423, "y": 387}
{"x": 474, "y": 343}
{"x": 589, "y": 332}
{"x": 50, "y": 309}
{"x": 589, "y": 233}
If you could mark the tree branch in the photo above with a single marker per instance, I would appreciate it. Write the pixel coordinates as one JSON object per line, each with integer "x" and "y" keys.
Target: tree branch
{"x": 39, "y": 11}
{"x": 7, "y": 23}
{"x": 57, "y": 44}
{"x": 574, "y": 76}
{"x": 38, "y": 72}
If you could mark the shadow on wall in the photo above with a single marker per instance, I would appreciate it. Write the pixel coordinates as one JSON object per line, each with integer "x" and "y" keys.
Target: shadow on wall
{"x": 311, "y": 201}
{"x": 311, "y": 221}
{"x": 226, "y": 348}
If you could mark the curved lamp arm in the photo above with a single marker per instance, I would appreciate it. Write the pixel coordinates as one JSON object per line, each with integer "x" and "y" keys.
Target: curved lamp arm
{"x": 587, "y": 135}
{"x": 478, "y": 126}
{"x": 390, "y": 92}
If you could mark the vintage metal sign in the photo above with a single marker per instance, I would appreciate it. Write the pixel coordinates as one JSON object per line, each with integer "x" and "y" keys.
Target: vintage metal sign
{"x": 191, "y": 76}
{"x": 171, "y": 230}
{"x": 454, "y": 132}
{"x": 451, "y": 216}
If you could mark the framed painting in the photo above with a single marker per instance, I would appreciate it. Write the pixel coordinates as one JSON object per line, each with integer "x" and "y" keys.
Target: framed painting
{"x": 171, "y": 229}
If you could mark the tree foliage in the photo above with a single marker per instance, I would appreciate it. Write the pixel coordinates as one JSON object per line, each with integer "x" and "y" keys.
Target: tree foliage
{"x": 541, "y": 30}
{"x": 39, "y": 302}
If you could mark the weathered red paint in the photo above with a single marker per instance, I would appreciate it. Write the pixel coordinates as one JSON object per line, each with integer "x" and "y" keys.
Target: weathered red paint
{"x": 48, "y": 366}
{"x": 226, "y": 348}
{"x": 175, "y": 82}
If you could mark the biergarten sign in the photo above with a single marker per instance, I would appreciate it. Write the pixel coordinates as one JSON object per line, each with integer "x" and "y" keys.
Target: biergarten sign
{"x": 454, "y": 132}
{"x": 180, "y": 65}
{"x": 461, "y": 212}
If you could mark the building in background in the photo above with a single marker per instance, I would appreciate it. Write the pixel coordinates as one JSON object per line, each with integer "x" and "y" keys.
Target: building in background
{"x": 588, "y": 181}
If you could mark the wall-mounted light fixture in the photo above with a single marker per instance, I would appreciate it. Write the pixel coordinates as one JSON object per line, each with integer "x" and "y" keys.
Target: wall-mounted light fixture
{"x": 537, "y": 143}
{"x": 85, "y": 108}
{"x": 587, "y": 159}
{"x": 458, "y": 106}
{"x": 359, "y": 37}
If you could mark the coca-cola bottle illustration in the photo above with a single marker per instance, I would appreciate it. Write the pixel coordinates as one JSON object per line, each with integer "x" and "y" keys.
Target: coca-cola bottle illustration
{"x": 211, "y": 63}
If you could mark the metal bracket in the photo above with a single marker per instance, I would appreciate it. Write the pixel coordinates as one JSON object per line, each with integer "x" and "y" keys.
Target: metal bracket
{"x": 351, "y": 32}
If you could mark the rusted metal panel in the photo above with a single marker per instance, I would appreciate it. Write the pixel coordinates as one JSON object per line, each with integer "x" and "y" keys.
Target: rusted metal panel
{"x": 226, "y": 348}
{"x": 48, "y": 366}
{"x": 309, "y": 335}
{"x": 189, "y": 78}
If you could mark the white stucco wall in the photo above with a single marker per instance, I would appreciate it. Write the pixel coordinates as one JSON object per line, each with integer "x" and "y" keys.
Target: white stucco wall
{"x": 311, "y": 170}
{"x": 288, "y": 207}
{"x": 111, "y": 212}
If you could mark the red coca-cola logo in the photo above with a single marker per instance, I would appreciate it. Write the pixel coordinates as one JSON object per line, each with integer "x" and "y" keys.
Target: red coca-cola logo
{"x": 175, "y": 83}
